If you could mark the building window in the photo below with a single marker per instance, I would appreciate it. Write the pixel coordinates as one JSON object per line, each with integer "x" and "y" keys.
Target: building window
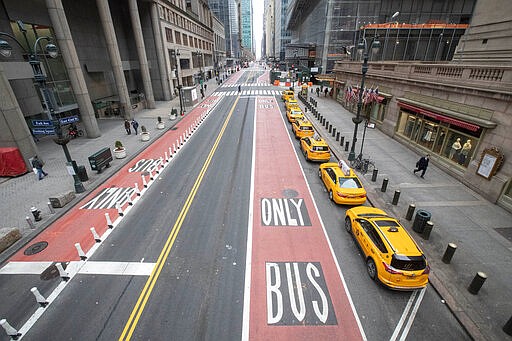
{"x": 177, "y": 35}
{"x": 168, "y": 34}
{"x": 185, "y": 39}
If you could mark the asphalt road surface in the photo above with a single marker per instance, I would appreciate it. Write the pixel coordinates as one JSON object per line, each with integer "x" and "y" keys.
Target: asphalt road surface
{"x": 186, "y": 240}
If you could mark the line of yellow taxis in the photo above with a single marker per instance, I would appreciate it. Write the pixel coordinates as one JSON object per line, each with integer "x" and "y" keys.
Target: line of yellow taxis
{"x": 392, "y": 256}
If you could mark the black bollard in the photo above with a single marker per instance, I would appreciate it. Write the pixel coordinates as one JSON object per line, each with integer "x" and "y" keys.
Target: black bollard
{"x": 507, "y": 328}
{"x": 448, "y": 254}
{"x": 374, "y": 174}
{"x": 396, "y": 197}
{"x": 326, "y": 124}
{"x": 346, "y": 146}
{"x": 330, "y": 128}
{"x": 384, "y": 185}
{"x": 410, "y": 212}
{"x": 477, "y": 283}
{"x": 342, "y": 141}
{"x": 338, "y": 136}
{"x": 426, "y": 231}
{"x": 333, "y": 131}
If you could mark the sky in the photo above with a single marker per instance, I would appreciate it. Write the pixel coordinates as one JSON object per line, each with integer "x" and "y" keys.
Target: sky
{"x": 257, "y": 22}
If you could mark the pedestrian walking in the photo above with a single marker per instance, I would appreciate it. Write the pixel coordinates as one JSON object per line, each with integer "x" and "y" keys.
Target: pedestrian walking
{"x": 135, "y": 126}
{"x": 38, "y": 165}
{"x": 317, "y": 91}
{"x": 422, "y": 165}
{"x": 239, "y": 88}
{"x": 326, "y": 91}
{"x": 202, "y": 93}
{"x": 205, "y": 86}
{"x": 127, "y": 127}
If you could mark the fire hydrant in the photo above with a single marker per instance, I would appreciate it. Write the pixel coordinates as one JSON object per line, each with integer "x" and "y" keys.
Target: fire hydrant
{"x": 36, "y": 213}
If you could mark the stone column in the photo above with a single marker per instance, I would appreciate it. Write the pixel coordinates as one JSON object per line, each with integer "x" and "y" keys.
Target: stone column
{"x": 68, "y": 51}
{"x": 141, "y": 52}
{"x": 14, "y": 129}
{"x": 115, "y": 58}
{"x": 162, "y": 67}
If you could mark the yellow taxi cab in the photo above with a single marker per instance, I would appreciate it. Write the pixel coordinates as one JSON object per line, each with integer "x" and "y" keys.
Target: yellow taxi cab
{"x": 342, "y": 183}
{"x": 291, "y": 103}
{"x": 287, "y": 94}
{"x": 302, "y": 128}
{"x": 392, "y": 256}
{"x": 315, "y": 148}
{"x": 294, "y": 114}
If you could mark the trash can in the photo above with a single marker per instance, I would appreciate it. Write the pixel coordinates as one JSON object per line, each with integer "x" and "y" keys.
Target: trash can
{"x": 82, "y": 173}
{"x": 420, "y": 220}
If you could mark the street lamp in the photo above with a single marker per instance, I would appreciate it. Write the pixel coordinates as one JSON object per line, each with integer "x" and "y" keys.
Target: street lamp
{"x": 199, "y": 55}
{"x": 362, "y": 47}
{"x": 40, "y": 78}
{"x": 176, "y": 54}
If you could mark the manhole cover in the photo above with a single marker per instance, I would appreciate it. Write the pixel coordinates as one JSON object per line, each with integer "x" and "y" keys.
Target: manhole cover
{"x": 35, "y": 248}
{"x": 51, "y": 272}
{"x": 290, "y": 193}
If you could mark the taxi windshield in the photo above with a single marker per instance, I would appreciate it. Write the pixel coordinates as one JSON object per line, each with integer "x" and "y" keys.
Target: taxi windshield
{"x": 349, "y": 183}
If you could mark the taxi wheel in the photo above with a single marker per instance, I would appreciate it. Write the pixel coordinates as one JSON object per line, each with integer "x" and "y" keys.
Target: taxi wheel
{"x": 371, "y": 268}
{"x": 330, "y": 196}
{"x": 348, "y": 225}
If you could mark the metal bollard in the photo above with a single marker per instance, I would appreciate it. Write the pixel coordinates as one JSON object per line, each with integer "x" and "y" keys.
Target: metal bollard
{"x": 333, "y": 131}
{"x": 477, "y": 283}
{"x": 426, "y": 231}
{"x": 374, "y": 174}
{"x": 507, "y": 328}
{"x": 384, "y": 185}
{"x": 50, "y": 208}
{"x": 338, "y": 136}
{"x": 29, "y": 222}
{"x": 448, "y": 254}
{"x": 396, "y": 197}
{"x": 13, "y": 333}
{"x": 330, "y": 128}
{"x": 326, "y": 124}
{"x": 346, "y": 146}
{"x": 410, "y": 212}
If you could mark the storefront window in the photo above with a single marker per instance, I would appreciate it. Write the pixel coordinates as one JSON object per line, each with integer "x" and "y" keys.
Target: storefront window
{"x": 459, "y": 148}
{"x": 428, "y": 134}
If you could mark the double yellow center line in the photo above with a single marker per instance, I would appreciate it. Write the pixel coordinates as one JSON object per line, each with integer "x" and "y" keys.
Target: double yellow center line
{"x": 150, "y": 283}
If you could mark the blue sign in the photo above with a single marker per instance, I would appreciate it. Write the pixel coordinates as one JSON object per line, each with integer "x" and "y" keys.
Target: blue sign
{"x": 68, "y": 120}
{"x": 43, "y": 131}
{"x": 42, "y": 123}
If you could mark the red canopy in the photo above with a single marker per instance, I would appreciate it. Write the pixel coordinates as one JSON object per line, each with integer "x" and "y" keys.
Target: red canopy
{"x": 11, "y": 162}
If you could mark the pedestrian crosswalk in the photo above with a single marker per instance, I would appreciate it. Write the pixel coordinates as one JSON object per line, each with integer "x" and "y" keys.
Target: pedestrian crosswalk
{"x": 235, "y": 85}
{"x": 248, "y": 93}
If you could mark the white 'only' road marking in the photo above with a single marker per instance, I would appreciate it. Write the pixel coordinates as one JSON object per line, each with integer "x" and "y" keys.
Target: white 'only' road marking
{"x": 405, "y": 315}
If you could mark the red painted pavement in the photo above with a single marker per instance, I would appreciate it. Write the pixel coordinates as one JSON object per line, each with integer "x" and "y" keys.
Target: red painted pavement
{"x": 74, "y": 226}
{"x": 277, "y": 169}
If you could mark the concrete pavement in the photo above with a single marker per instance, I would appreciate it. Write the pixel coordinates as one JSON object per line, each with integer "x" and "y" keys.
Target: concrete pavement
{"x": 461, "y": 216}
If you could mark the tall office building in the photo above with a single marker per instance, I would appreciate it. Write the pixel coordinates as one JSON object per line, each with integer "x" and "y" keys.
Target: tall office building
{"x": 225, "y": 10}
{"x": 246, "y": 24}
{"x": 282, "y": 34}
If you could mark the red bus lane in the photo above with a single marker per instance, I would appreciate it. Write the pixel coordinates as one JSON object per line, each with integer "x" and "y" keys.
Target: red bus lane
{"x": 74, "y": 226}
{"x": 296, "y": 287}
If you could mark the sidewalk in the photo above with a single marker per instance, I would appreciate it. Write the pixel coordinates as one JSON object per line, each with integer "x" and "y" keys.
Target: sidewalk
{"x": 460, "y": 216}
{"x": 19, "y": 194}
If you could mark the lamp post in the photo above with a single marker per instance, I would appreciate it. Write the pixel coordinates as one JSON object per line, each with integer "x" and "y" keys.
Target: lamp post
{"x": 363, "y": 47}
{"x": 199, "y": 57}
{"x": 40, "y": 78}
{"x": 176, "y": 54}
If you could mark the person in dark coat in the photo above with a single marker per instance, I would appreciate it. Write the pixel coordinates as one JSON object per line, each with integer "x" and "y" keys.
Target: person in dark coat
{"x": 326, "y": 91}
{"x": 422, "y": 165}
{"x": 127, "y": 127}
{"x": 38, "y": 165}
{"x": 317, "y": 92}
{"x": 135, "y": 126}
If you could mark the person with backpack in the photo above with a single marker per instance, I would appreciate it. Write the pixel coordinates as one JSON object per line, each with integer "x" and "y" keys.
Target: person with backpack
{"x": 135, "y": 126}
{"x": 38, "y": 165}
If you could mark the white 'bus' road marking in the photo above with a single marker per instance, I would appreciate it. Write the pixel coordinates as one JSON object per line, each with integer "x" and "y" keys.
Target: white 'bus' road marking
{"x": 406, "y": 313}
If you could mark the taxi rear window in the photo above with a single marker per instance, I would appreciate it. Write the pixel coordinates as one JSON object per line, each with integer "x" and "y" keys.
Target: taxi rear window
{"x": 306, "y": 128}
{"x": 320, "y": 148}
{"x": 408, "y": 263}
{"x": 350, "y": 183}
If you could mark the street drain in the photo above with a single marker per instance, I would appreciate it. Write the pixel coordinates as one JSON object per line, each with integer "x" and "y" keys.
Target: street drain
{"x": 174, "y": 128}
{"x": 35, "y": 248}
{"x": 290, "y": 193}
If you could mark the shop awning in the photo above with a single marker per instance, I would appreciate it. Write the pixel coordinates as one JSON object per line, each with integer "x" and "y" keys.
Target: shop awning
{"x": 443, "y": 118}
{"x": 445, "y": 115}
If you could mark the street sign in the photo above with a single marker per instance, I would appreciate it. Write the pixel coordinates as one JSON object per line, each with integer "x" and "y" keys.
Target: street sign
{"x": 42, "y": 123}
{"x": 68, "y": 120}
{"x": 43, "y": 131}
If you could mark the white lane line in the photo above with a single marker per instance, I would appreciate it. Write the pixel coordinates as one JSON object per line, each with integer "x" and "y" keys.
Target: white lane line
{"x": 248, "y": 254}
{"x": 24, "y": 268}
{"x": 117, "y": 268}
{"x": 401, "y": 322}
{"x": 413, "y": 315}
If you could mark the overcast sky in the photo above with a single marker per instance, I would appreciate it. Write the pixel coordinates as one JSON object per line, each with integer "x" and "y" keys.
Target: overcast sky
{"x": 257, "y": 22}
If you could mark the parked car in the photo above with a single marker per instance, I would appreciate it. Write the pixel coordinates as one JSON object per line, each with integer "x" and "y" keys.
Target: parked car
{"x": 294, "y": 114}
{"x": 287, "y": 94}
{"x": 342, "y": 183}
{"x": 392, "y": 256}
{"x": 302, "y": 128}
{"x": 291, "y": 103}
{"x": 315, "y": 149}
